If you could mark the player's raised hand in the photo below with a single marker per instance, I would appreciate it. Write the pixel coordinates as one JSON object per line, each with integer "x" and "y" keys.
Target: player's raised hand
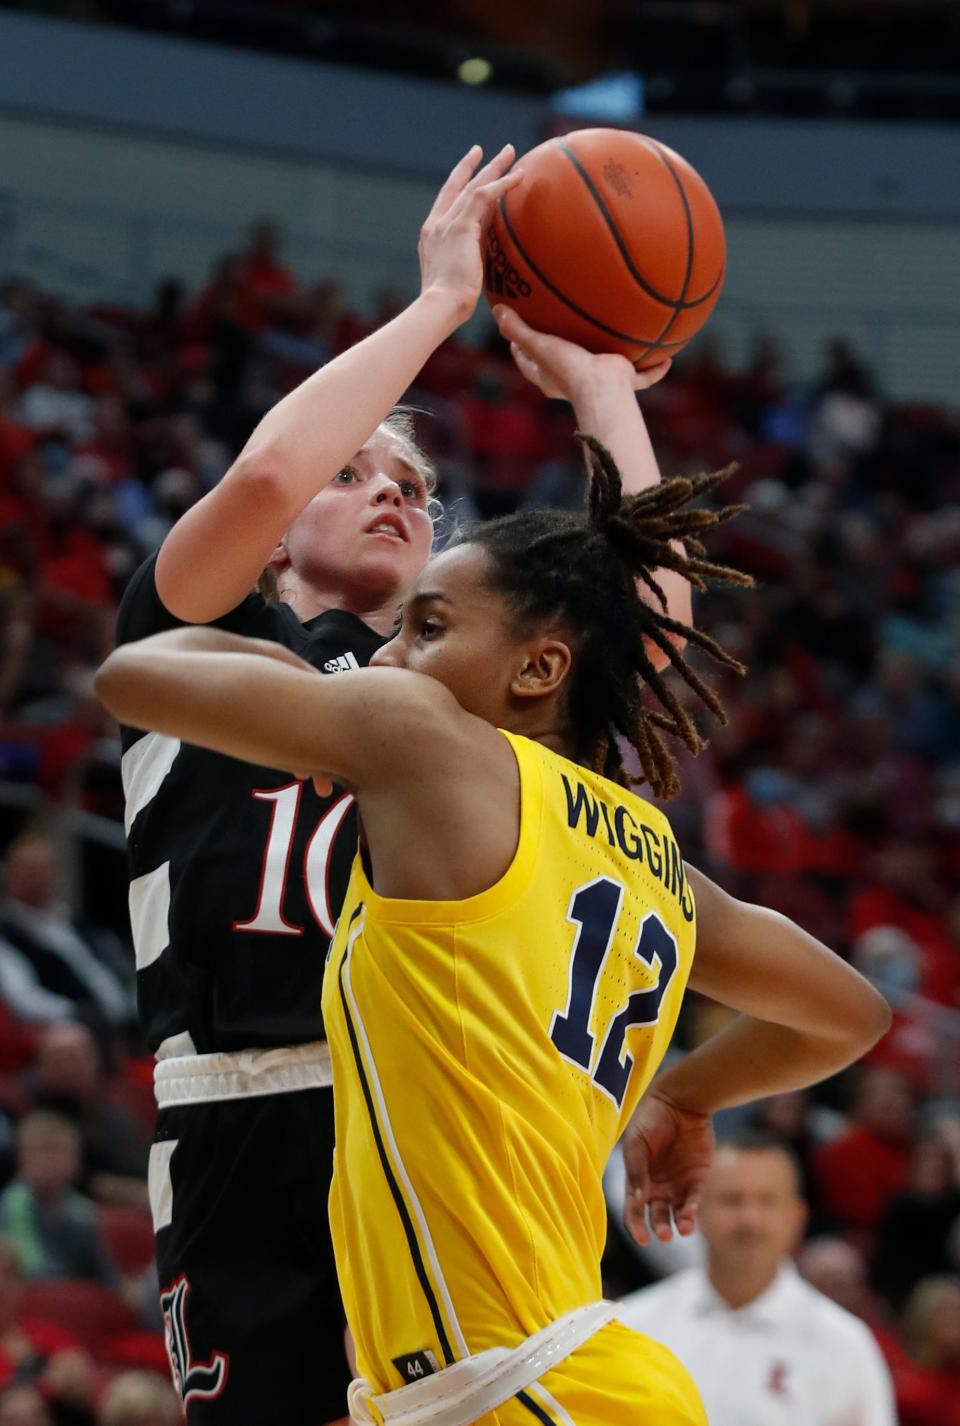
{"x": 667, "y": 1152}
{"x": 451, "y": 259}
{"x": 561, "y": 368}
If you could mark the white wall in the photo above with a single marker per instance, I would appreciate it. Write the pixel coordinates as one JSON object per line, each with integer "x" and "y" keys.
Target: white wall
{"x": 891, "y": 286}
{"x": 92, "y": 211}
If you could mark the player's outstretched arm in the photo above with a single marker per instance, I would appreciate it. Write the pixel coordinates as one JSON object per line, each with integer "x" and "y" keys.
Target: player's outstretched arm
{"x": 252, "y": 699}
{"x": 215, "y": 553}
{"x": 602, "y": 390}
{"x": 804, "y": 1015}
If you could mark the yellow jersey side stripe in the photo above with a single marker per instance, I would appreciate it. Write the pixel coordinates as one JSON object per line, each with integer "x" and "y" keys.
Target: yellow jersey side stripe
{"x": 398, "y": 1180}
{"x": 543, "y": 1407}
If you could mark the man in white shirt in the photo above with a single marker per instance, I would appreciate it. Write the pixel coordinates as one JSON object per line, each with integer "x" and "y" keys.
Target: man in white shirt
{"x": 38, "y": 926}
{"x": 764, "y": 1347}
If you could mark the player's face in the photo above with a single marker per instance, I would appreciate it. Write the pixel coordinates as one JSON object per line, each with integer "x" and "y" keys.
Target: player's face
{"x": 454, "y": 628}
{"x": 367, "y": 534}
{"x": 751, "y": 1214}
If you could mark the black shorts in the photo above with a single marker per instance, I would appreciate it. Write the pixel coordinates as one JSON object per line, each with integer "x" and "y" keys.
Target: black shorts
{"x": 248, "y": 1287}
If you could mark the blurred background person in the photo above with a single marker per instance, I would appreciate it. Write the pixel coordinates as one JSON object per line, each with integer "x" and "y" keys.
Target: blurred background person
{"x": 51, "y": 1226}
{"x": 762, "y": 1344}
{"x": 64, "y": 956}
{"x": 24, "y": 1406}
{"x": 139, "y": 1399}
{"x": 68, "y": 1076}
{"x": 928, "y": 1373}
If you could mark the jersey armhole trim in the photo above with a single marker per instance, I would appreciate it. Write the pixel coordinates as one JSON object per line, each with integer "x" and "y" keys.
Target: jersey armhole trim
{"x": 396, "y": 911}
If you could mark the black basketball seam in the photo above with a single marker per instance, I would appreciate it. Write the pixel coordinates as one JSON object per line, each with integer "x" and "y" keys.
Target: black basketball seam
{"x": 686, "y": 213}
{"x": 652, "y": 144}
{"x": 567, "y": 302}
{"x": 621, "y": 245}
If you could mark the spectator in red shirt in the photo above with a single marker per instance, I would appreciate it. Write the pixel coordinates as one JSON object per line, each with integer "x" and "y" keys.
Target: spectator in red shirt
{"x": 270, "y": 284}
{"x": 860, "y": 1171}
{"x": 751, "y": 826}
{"x": 905, "y": 893}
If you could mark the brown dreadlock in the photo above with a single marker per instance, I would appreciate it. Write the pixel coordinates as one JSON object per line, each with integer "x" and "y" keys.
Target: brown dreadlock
{"x": 583, "y": 570}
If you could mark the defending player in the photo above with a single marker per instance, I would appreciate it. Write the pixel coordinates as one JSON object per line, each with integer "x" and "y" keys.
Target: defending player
{"x": 238, "y": 872}
{"x": 515, "y": 943}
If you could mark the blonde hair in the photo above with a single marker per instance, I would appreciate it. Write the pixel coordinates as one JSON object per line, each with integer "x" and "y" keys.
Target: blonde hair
{"x": 42, "y": 1125}
{"x": 134, "y": 1395}
{"x": 400, "y": 423}
{"x": 924, "y": 1306}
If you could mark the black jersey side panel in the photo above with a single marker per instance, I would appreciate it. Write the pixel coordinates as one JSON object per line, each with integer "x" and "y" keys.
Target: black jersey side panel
{"x": 252, "y": 864}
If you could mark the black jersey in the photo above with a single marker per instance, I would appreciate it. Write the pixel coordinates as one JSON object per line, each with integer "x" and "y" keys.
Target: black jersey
{"x": 237, "y": 872}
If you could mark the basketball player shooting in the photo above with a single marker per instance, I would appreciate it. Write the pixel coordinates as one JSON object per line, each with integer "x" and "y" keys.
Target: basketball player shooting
{"x": 239, "y": 871}
{"x": 516, "y": 939}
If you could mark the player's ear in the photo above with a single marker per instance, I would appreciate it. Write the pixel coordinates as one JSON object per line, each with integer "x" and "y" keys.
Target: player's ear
{"x": 280, "y": 558}
{"x": 546, "y": 663}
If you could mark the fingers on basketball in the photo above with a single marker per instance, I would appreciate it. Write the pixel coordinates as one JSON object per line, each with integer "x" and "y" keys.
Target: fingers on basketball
{"x": 650, "y": 375}
{"x": 487, "y": 185}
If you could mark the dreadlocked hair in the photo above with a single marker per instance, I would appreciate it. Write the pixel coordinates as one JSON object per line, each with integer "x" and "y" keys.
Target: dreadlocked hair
{"x": 583, "y": 571}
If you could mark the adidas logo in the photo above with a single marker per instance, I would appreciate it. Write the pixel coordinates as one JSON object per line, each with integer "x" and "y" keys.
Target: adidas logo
{"x": 343, "y": 663}
{"x": 501, "y": 277}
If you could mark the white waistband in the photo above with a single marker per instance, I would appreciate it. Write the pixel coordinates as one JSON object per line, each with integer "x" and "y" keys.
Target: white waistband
{"x": 467, "y": 1390}
{"x": 196, "y": 1079}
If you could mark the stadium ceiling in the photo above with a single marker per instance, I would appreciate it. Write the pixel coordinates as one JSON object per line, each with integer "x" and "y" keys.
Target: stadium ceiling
{"x": 869, "y": 58}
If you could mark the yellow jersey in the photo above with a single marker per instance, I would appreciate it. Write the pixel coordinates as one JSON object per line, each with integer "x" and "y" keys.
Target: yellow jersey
{"x": 487, "y": 1054}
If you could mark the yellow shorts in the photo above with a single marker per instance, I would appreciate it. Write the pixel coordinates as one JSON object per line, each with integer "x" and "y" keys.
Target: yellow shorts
{"x": 618, "y": 1378}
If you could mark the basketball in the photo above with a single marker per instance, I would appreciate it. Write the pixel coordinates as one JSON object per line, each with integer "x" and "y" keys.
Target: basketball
{"x": 612, "y": 241}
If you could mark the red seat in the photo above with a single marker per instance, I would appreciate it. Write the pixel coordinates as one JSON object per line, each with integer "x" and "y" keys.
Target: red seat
{"x": 128, "y": 1233}
{"x": 136, "y": 1351}
{"x": 91, "y": 1312}
{"x": 135, "y": 1095}
{"x": 18, "y": 1042}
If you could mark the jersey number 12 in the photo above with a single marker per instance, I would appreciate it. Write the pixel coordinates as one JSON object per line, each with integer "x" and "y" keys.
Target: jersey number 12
{"x": 594, "y": 909}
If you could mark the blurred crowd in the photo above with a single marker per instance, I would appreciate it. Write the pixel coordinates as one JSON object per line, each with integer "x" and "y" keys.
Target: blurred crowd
{"x": 832, "y": 793}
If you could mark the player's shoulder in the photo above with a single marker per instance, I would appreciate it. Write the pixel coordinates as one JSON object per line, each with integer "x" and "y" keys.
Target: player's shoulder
{"x": 142, "y": 612}
{"x": 335, "y": 641}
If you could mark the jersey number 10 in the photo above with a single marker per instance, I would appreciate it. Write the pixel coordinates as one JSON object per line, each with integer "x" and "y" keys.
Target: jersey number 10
{"x": 268, "y": 917}
{"x": 594, "y": 909}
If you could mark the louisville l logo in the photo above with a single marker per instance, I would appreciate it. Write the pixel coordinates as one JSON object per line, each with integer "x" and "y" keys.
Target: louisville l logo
{"x": 201, "y": 1381}
{"x": 777, "y": 1380}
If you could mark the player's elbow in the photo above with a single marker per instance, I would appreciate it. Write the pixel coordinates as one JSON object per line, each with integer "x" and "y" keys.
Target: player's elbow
{"x": 859, "y": 1021}
{"x": 875, "y": 1018}
{"x": 259, "y": 474}
{"x": 116, "y": 681}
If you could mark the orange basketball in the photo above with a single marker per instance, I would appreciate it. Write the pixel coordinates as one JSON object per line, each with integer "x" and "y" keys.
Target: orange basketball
{"x": 612, "y": 240}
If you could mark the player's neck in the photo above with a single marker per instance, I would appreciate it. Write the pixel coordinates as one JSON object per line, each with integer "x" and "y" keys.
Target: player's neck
{"x": 739, "y": 1287}
{"x": 541, "y": 724}
{"x": 308, "y": 600}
